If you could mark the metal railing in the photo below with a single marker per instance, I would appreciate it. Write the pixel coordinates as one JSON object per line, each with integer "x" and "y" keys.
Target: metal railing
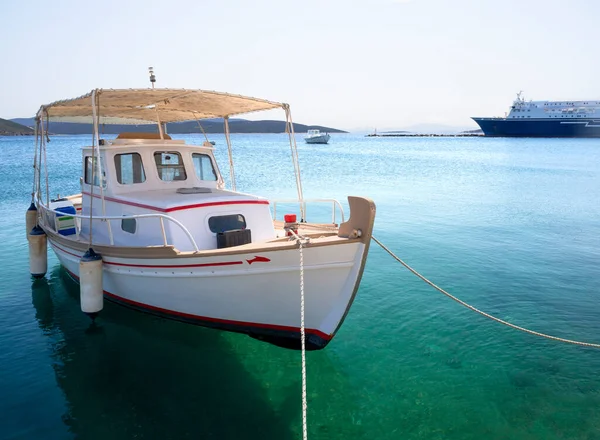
{"x": 109, "y": 218}
{"x": 302, "y": 205}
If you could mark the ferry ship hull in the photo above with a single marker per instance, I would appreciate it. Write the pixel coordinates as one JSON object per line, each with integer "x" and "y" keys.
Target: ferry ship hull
{"x": 503, "y": 127}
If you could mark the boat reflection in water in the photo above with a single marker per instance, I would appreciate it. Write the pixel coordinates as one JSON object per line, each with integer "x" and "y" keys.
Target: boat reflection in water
{"x": 133, "y": 375}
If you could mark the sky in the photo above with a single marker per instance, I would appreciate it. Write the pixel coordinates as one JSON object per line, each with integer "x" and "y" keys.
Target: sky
{"x": 385, "y": 64}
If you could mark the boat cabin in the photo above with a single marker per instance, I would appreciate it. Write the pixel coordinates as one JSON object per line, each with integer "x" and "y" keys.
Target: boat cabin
{"x": 142, "y": 174}
{"x": 147, "y": 189}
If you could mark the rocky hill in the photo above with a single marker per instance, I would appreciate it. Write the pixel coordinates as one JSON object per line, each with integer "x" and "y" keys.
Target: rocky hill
{"x": 11, "y": 128}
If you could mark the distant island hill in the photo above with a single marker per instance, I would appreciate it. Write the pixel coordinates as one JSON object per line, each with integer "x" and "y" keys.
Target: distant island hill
{"x": 22, "y": 126}
{"x": 10, "y": 128}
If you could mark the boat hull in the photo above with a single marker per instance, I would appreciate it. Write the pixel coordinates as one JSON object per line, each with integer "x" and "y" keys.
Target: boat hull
{"x": 253, "y": 293}
{"x": 576, "y": 128}
{"x": 322, "y": 139}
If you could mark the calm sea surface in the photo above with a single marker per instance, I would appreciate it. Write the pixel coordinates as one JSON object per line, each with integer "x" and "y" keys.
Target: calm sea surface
{"x": 510, "y": 225}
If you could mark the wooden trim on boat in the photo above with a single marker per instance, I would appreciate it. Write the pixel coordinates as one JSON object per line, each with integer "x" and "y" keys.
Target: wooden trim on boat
{"x": 362, "y": 218}
{"x": 169, "y": 252}
{"x": 142, "y": 135}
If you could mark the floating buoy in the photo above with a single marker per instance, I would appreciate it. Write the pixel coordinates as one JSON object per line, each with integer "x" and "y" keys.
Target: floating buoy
{"x": 30, "y": 219}
{"x": 90, "y": 283}
{"x": 38, "y": 252}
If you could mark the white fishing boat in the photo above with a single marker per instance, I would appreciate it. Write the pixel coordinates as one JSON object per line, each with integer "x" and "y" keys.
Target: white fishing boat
{"x": 156, "y": 229}
{"x": 316, "y": 137}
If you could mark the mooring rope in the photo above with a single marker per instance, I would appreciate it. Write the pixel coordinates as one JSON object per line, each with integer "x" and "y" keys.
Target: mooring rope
{"x": 303, "y": 342}
{"x": 476, "y": 310}
{"x": 301, "y": 240}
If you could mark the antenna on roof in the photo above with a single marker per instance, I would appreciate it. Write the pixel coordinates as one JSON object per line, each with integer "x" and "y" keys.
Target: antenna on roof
{"x": 152, "y": 77}
{"x": 519, "y": 95}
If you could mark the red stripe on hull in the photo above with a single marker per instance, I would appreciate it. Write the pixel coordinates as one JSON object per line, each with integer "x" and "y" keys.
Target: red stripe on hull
{"x": 182, "y": 207}
{"x": 204, "y": 205}
{"x": 200, "y": 319}
{"x": 54, "y": 245}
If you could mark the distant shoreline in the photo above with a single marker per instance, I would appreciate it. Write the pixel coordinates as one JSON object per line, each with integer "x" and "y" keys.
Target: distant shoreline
{"x": 427, "y": 135}
{"x": 6, "y": 133}
{"x": 209, "y": 126}
{"x": 173, "y": 134}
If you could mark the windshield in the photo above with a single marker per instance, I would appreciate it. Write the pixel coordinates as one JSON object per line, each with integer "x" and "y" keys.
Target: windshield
{"x": 204, "y": 167}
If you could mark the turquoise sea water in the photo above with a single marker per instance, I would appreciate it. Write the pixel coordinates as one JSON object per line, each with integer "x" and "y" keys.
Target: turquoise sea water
{"x": 509, "y": 225}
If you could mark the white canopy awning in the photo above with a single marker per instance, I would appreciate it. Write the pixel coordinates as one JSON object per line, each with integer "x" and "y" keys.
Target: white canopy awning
{"x": 145, "y": 106}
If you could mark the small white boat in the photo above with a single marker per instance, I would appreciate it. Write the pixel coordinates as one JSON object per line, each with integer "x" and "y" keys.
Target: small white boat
{"x": 316, "y": 137}
{"x": 172, "y": 240}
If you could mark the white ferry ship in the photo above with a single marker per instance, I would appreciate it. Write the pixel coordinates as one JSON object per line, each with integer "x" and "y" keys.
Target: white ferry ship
{"x": 545, "y": 119}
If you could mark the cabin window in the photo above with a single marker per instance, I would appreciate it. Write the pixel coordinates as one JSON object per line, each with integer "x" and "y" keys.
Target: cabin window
{"x": 129, "y": 168}
{"x": 90, "y": 164}
{"x": 129, "y": 225}
{"x": 222, "y": 223}
{"x": 204, "y": 167}
{"x": 169, "y": 166}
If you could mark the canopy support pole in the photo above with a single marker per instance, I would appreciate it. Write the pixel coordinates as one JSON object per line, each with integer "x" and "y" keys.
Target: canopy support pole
{"x": 43, "y": 146}
{"x": 160, "y": 127}
{"x": 296, "y": 163}
{"x": 35, "y": 158}
{"x": 231, "y": 172}
{"x": 40, "y": 134}
{"x": 200, "y": 125}
{"x": 96, "y": 146}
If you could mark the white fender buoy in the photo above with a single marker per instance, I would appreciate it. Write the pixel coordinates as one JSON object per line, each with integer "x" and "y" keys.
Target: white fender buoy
{"x": 30, "y": 219}
{"x": 38, "y": 252}
{"x": 90, "y": 283}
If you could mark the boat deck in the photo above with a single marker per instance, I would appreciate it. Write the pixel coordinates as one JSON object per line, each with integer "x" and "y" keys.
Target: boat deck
{"x": 313, "y": 230}
{"x": 307, "y": 229}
